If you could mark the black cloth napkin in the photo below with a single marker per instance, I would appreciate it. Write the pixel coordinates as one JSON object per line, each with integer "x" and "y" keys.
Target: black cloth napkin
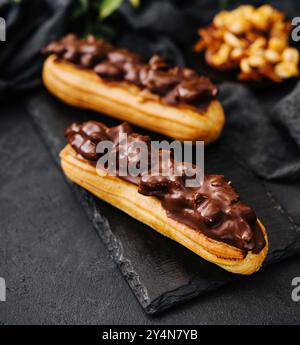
{"x": 262, "y": 125}
{"x": 30, "y": 25}
{"x": 268, "y": 137}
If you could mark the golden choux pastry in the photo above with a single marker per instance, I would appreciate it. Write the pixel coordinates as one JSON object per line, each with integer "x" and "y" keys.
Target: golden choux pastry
{"x": 209, "y": 220}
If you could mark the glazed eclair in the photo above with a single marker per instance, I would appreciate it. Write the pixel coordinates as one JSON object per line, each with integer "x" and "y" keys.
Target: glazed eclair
{"x": 209, "y": 219}
{"x": 173, "y": 101}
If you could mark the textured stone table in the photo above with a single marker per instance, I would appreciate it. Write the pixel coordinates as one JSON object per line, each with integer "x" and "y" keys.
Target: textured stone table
{"x": 58, "y": 271}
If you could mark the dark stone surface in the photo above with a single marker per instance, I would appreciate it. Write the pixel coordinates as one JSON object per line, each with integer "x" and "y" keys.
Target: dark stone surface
{"x": 57, "y": 271}
{"x": 160, "y": 272}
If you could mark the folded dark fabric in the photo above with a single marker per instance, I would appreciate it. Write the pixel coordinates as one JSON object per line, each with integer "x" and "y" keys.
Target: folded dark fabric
{"x": 166, "y": 27}
{"x": 30, "y": 25}
{"x": 267, "y": 136}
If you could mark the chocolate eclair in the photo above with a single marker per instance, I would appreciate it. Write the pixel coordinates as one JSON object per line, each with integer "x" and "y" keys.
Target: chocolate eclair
{"x": 208, "y": 219}
{"x": 93, "y": 74}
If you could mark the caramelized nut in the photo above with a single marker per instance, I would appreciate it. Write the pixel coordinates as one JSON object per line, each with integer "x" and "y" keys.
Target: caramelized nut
{"x": 259, "y": 21}
{"x": 222, "y": 55}
{"x": 245, "y": 66}
{"x": 277, "y": 44}
{"x": 258, "y": 44}
{"x": 291, "y": 55}
{"x": 221, "y": 19}
{"x": 272, "y": 56}
{"x": 232, "y": 40}
{"x": 256, "y": 60}
{"x": 236, "y": 53}
{"x": 255, "y": 39}
{"x": 239, "y": 26}
{"x": 286, "y": 70}
{"x": 246, "y": 11}
{"x": 266, "y": 11}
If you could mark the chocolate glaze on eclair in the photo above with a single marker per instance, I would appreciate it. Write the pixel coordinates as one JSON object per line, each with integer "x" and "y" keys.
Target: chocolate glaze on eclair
{"x": 214, "y": 208}
{"x": 174, "y": 85}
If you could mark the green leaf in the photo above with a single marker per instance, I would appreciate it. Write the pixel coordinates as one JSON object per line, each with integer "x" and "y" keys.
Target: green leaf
{"x": 223, "y": 4}
{"x": 107, "y": 7}
{"x": 135, "y": 3}
{"x": 84, "y": 4}
{"x": 80, "y": 8}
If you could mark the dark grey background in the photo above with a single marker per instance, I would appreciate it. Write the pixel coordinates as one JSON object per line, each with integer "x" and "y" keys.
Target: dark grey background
{"x": 55, "y": 265}
{"x": 56, "y": 268}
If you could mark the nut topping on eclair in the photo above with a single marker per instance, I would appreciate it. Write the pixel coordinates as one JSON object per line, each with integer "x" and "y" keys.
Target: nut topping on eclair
{"x": 214, "y": 208}
{"x": 174, "y": 85}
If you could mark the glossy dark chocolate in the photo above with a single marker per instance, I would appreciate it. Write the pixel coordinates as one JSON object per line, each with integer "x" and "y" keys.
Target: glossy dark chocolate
{"x": 214, "y": 208}
{"x": 174, "y": 85}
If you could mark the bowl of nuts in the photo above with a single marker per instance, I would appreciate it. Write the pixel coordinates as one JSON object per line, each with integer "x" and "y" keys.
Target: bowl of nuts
{"x": 249, "y": 44}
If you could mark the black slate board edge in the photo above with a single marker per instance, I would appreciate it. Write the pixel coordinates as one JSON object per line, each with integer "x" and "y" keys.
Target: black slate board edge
{"x": 114, "y": 247}
{"x": 101, "y": 226}
{"x": 283, "y": 254}
{"x": 281, "y": 209}
{"x": 179, "y": 296}
{"x": 274, "y": 201}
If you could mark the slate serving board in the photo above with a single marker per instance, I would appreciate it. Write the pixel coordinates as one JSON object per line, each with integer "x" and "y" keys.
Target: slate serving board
{"x": 160, "y": 272}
